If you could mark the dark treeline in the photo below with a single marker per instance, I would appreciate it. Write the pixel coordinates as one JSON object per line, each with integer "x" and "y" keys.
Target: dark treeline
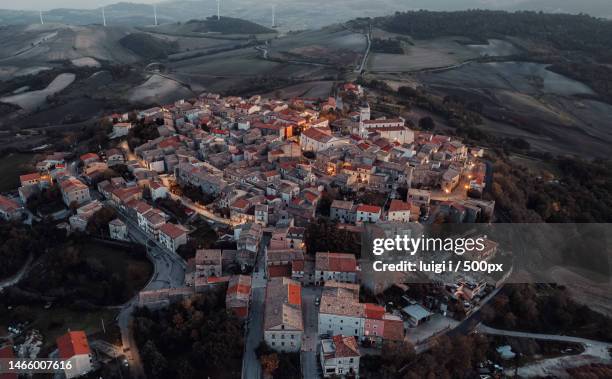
{"x": 583, "y": 192}
{"x": 229, "y": 25}
{"x": 523, "y": 307}
{"x": 389, "y": 46}
{"x": 196, "y": 338}
{"x": 562, "y": 31}
{"x": 19, "y": 241}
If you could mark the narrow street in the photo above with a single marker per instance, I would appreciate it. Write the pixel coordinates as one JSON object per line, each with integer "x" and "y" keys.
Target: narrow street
{"x": 201, "y": 210}
{"x": 251, "y": 369}
{"x": 310, "y": 341}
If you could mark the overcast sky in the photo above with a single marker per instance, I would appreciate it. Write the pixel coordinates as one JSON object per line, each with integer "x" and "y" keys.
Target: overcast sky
{"x": 83, "y": 4}
{"x": 50, "y": 4}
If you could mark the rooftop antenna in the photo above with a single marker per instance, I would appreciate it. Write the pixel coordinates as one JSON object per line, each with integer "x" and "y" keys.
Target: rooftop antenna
{"x": 274, "y": 16}
{"x": 155, "y": 13}
{"x": 218, "y": 10}
{"x": 42, "y": 22}
{"x": 103, "y": 17}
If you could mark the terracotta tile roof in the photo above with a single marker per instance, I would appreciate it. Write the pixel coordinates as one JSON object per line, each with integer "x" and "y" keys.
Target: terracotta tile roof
{"x": 29, "y": 177}
{"x": 295, "y": 293}
{"x": 374, "y": 311}
{"x": 393, "y": 329}
{"x": 8, "y": 205}
{"x": 72, "y": 343}
{"x": 238, "y": 289}
{"x": 88, "y": 156}
{"x": 172, "y": 141}
{"x": 345, "y": 347}
{"x": 399, "y": 206}
{"x": 171, "y": 230}
{"x": 368, "y": 208}
{"x": 71, "y": 184}
{"x": 240, "y": 204}
{"x": 336, "y": 262}
{"x": 297, "y": 265}
{"x": 317, "y": 134}
{"x": 277, "y": 271}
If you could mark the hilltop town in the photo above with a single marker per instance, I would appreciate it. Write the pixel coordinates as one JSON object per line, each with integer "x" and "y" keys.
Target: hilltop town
{"x": 265, "y": 201}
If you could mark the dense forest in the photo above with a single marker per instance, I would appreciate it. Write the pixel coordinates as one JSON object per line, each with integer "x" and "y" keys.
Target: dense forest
{"x": 71, "y": 272}
{"x": 552, "y": 311}
{"x": 582, "y": 193}
{"x": 19, "y": 241}
{"x": 449, "y": 357}
{"x": 196, "y": 338}
{"x": 561, "y": 31}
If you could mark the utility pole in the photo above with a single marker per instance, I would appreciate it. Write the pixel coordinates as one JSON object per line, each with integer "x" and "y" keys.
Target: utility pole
{"x": 42, "y": 22}
{"x": 103, "y": 17}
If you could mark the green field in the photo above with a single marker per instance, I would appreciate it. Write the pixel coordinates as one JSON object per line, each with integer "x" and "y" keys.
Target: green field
{"x": 11, "y": 166}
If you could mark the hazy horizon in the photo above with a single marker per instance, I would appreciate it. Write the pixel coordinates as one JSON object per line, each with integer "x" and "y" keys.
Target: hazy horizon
{"x": 46, "y": 5}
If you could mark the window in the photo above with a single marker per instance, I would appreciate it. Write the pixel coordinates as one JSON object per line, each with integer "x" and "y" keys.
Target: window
{"x": 351, "y": 360}
{"x": 273, "y": 336}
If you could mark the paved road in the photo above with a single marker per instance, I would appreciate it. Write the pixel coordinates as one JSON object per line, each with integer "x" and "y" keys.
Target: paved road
{"x": 594, "y": 352}
{"x": 593, "y": 347}
{"x": 364, "y": 61}
{"x": 201, "y": 210}
{"x": 251, "y": 369}
{"x": 169, "y": 272}
{"x": 17, "y": 277}
{"x": 310, "y": 341}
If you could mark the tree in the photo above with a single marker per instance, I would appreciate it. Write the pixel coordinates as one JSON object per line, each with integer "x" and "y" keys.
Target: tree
{"x": 98, "y": 223}
{"x": 397, "y": 355}
{"x": 509, "y": 320}
{"x": 269, "y": 363}
{"x": 157, "y": 362}
{"x": 427, "y": 123}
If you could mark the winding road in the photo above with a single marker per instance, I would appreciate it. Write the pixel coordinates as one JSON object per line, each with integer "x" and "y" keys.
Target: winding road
{"x": 17, "y": 277}
{"x": 594, "y": 352}
{"x": 169, "y": 272}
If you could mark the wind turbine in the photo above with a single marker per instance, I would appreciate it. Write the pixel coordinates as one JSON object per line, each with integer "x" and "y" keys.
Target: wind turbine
{"x": 103, "y": 17}
{"x": 274, "y": 16}
{"x": 155, "y": 13}
{"x": 218, "y": 10}
{"x": 42, "y": 22}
